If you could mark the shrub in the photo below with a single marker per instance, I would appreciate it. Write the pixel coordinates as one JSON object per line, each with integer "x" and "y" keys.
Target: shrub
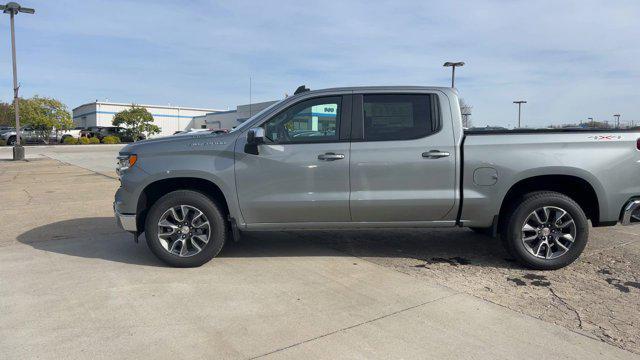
{"x": 2, "y": 142}
{"x": 83, "y": 140}
{"x": 70, "y": 140}
{"x": 94, "y": 140}
{"x": 111, "y": 139}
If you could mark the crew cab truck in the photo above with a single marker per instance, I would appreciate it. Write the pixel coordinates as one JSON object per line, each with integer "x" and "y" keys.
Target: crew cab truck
{"x": 377, "y": 157}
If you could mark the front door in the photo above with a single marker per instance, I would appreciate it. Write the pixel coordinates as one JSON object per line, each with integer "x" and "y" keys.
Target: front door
{"x": 402, "y": 159}
{"x": 301, "y": 173}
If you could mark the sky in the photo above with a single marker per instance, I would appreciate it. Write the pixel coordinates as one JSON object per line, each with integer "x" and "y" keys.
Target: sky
{"x": 569, "y": 60}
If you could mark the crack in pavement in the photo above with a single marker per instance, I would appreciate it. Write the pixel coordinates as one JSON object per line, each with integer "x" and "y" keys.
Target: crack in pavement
{"x": 353, "y": 326}
{"x": 571, "y": 308}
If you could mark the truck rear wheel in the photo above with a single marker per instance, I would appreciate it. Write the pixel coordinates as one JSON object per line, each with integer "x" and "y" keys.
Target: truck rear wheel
{"x": 546, "y": 231}
{"x": 185, "y": 228}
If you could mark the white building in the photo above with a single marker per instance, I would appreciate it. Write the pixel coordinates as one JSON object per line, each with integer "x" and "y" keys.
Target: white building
{"x": 169, "y": 118}
{"x": 230, "y": 118}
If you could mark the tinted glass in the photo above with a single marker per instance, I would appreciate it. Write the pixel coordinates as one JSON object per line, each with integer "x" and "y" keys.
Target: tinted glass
{"x": 315, "y": 120}
{"x": 398, "y": 117}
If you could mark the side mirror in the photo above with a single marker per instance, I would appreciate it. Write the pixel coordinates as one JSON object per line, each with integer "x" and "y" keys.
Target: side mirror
{"x": 255, "y": 137}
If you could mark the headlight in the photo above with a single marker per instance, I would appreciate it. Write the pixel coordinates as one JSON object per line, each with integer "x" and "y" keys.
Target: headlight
{"x": 125, "y": 162}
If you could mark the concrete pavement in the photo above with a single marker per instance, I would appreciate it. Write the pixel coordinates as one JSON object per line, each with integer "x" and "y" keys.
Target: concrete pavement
{"x": 74, "y": 286}
{"x": 99, "y": 158}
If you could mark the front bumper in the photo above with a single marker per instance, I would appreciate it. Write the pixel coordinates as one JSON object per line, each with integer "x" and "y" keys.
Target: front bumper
{"x": 126, "y": 222}
{"x": 631, "y": 213}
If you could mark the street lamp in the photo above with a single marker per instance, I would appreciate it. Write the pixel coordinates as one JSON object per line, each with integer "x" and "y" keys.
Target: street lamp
{"x": 617, "y": 116}
{"x": 453, "y": 70}
{"x": 12, "y": 9}
{"x": 519, "y": 102}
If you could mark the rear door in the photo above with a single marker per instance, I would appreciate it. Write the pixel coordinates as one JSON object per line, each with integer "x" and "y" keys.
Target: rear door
{"x": 402, "y": 158}
{"x": 301, "y": 173}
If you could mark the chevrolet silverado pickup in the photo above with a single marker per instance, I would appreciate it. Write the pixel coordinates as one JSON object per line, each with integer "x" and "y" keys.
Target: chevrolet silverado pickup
{"x": 377, "y": 157}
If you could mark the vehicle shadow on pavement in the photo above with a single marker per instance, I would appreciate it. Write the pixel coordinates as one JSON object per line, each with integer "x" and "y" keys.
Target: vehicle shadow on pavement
{"x": 94, "y": 237}
{"x": 454, "y": 247}
{"x": 100, "y": 238}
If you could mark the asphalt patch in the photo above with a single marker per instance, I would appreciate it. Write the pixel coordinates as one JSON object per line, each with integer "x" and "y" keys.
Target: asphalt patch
{"x": 453, "y": 261}
{"x": 534, "y": 280}
{"x": 518, "y": 282}
{"x": 534, "y": 277}
{"x": 624, "y": 287}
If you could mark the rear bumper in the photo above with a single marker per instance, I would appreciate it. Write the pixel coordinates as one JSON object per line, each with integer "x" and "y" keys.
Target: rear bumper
{"x": 126, "y": 222}
{"x": 631, "y": 213}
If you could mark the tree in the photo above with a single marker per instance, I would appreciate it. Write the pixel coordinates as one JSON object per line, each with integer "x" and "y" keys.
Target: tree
{"x": 136, "y": 121}
{"x": 465, "y": 110}
{"x": 6, "y": 113}
{"x": 43, "y": 114}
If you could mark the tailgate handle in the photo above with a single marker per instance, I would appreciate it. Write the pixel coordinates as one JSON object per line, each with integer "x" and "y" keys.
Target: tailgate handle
{"x": 435, "y": 154}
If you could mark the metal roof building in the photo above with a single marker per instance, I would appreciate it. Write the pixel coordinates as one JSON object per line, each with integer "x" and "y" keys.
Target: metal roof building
{"x": 169, "y": 118}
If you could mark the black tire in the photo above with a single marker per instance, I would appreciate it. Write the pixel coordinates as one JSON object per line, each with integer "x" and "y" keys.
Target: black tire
{"x": 11, "y": 141}
{"x": 486, "y": 231}
{"x": 212, "y": 211}
{"x": 521, "y": 210}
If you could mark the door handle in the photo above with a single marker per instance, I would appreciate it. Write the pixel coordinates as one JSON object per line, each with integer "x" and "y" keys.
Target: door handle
{"x": 435, "y": 154}
{"x": 330, "y": 156}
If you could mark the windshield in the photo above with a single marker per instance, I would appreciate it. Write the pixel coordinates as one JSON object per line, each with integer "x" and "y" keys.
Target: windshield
{"x": 250, "y": 120}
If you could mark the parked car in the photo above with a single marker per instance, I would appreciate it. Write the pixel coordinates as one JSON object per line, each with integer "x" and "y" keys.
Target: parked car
{"x": 30, "y": 135}
{"x": 390, "y": 157}
{"x": 5, "y": 129}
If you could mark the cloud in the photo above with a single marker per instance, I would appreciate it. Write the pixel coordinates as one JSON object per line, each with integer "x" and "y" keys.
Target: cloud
{"x": 569, "y": 59}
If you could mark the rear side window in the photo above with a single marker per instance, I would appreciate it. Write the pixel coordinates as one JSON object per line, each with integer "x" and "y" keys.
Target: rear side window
{"x": 399, "y": 117}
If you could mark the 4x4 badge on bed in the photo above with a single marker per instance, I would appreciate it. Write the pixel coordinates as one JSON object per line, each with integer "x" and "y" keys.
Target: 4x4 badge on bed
{"x": 604, "y": 137}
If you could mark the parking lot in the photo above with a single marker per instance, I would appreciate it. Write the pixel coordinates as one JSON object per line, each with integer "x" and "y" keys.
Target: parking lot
{"x": 75, "y": 286}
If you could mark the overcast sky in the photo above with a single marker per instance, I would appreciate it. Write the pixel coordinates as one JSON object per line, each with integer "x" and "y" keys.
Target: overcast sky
{"x": 569, "y": 59}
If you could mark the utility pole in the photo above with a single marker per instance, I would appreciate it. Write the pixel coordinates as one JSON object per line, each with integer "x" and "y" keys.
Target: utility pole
{"x": 250, "y": 114}
{"x": 465, "y": 120}
{"x": 13, "y": 9}
{"x": 453, "y": 66}
{"x": 617, "y": 116}
{"x": 519, "y": 102}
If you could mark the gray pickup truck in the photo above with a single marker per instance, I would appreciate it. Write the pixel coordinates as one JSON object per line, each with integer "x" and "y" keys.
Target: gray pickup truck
{"x": 377, "y": 157}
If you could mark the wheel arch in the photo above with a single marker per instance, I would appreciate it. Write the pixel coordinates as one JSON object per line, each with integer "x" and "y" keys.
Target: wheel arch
{"x": 575, "y": 187}
{"x": 158, "y": 188}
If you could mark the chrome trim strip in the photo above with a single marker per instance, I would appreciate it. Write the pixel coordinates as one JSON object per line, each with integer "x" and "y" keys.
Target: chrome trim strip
{"x": 629, "y": 208}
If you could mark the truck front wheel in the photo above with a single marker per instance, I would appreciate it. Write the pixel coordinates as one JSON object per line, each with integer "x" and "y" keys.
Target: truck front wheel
{"x": 545, "y": 230}
{"x": 185, "y": 228}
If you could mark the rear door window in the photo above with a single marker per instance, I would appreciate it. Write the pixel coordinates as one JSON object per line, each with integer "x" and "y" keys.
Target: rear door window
{"x": 399, "y": 116}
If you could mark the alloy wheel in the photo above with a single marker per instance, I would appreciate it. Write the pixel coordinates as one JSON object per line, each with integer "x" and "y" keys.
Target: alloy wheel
{"x": 548, "y": 232}
{"x": 184, "y": 230}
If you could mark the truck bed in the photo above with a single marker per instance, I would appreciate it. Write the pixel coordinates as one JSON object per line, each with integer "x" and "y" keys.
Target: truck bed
{"x": 493, "y": 162}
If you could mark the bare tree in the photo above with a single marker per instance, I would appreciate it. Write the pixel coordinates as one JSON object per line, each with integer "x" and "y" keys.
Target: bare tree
{"x": 465, "y": 110}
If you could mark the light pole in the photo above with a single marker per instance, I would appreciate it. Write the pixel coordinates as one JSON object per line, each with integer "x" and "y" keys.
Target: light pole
{"x": 13, "y": 9}
{"x": 519, "y": 102}
{"x": 617, "y": 116}
{"x": 465, "y": 120}
{"x": 453, "y": 66}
